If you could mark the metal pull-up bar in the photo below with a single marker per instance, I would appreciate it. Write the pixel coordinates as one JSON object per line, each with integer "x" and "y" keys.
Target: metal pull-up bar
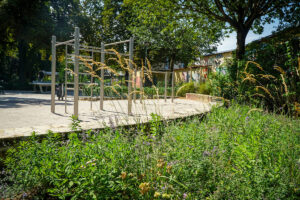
{"x": 77, "y": 47}
{"x": 115, "y": 43}
{"x": 65, "y": 42}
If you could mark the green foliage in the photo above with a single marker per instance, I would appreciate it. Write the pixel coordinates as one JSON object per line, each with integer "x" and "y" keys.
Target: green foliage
{"x": 170, "y": 34}
{"x": 186, "y": 88}
{"x": 75, "y": 125}
{"x": 238, "y": 153}
{"x": 242, "y": 16}
{"x": 25, "y": 37}
{"x": 272, "y": 83}
{"x": 203, "y": 88}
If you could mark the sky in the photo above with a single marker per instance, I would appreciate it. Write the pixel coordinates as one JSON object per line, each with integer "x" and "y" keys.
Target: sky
{"x": 230, "y": 42}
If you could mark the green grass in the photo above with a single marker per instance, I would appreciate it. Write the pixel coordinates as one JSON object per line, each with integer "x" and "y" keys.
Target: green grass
{"x": 234, "y": 153}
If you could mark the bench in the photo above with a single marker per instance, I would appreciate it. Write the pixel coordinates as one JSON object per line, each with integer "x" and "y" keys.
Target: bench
{"x": 40, "y": 83}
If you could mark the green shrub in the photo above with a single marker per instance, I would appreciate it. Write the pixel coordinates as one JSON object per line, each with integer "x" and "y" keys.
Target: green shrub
{"x": 186, "y": 88}
{"x": 269, "y": 77}
{"x": 203, "y": 88}
{"x": 235, "y": 153}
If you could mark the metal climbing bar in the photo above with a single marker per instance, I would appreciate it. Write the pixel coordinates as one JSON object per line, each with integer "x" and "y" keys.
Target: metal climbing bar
{"x": 74, "y": 58}
{"x": 65, "y": 42}
{"x": 120, "y": 42}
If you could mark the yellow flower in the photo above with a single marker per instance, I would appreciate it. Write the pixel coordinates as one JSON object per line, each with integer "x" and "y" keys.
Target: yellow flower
{"x": 158, "y": 173}
{"x": 156, "y": 194}
{"x": 167, "y": 196}
{"x": 145, "y": 187}
{"x": 123, "y": 175}
{"x": 169, "y": 167}
{"x": 160, "y": 163}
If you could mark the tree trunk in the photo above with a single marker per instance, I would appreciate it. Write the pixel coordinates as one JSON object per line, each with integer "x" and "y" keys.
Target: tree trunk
{"x": 172, "y": 62}
{"x": 241, "y": 42}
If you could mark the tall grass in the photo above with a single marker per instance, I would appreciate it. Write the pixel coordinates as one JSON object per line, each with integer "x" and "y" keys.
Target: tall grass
{"x": 275, "y": 91}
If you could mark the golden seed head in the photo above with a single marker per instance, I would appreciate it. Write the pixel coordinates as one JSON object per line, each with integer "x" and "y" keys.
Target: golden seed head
{"x": 156, "y": 194}
{"x": 123, "y": 175}
{"x": 145, "y": 187}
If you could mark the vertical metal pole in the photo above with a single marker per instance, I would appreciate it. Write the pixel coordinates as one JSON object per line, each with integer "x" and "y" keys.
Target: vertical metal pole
{"x": 130, "y": 76}
{"x": 53, "y": 72}
{"x": 134, "y": 85}
{"x": 66, "y": 77}
{"x": 166, "y": 85}
{"x": 92, "y": 86}
{"x": 142, "y": 85}
{"x": 76, "y": 70}
{"x": 173, "y": 77}
{"x": 102, "y": 76}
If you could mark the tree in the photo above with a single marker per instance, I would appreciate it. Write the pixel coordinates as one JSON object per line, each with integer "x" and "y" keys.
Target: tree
{"x": 171, "y": 35}
{"x": 26, "y": 27}
{"x": 241, "y": 15}
{"x": 104, "y": 20}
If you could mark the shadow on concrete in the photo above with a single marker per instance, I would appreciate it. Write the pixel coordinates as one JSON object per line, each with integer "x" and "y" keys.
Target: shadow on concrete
{"x": 17, "y": 102}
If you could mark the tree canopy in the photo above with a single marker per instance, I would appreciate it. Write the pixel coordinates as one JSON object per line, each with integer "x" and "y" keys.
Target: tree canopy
{"x": 173, "y": 35}
{"x": 242, "y": 15}
{"x": 173, "y": 30}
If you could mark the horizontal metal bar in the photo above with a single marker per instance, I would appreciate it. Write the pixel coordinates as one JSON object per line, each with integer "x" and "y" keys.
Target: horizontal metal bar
{"x": 90, "y": 50}
{"x": 113, "y": 53}
{"x": 110, "y": 44}
{"x": 65, "y": 42}
{"x": 90, "y": 47}
{"x": 73, "y": 56}
{"x": 106, "y": 52}
{"x": 80, "y": 73}
{"x": 71, "y": 83}
{"x": 81, "y": 63}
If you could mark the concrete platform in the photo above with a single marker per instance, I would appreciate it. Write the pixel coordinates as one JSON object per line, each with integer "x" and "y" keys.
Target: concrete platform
{"x": 21, "y": 113}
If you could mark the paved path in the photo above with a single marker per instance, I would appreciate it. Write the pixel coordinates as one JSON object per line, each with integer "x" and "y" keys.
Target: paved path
{"x": 22, "y": 113}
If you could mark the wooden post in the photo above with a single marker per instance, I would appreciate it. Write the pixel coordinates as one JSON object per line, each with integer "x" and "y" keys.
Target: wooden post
{"x": 66, "y": 77}
{"x": 173, "y": 77}
{"x": 130, "y": 76}
{"x": 76, "y": 71}
{"x": 102, "y": 76}
{"x": 166, "y": 85}
{"x": 53, "y": 72}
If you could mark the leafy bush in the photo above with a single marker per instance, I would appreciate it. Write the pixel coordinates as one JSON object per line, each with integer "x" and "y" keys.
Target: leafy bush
{"x": 186, "y": 88}
{"x": 270, "y": 77}
{"x": 203, "y": 88}
{"x": 235, "y": 153}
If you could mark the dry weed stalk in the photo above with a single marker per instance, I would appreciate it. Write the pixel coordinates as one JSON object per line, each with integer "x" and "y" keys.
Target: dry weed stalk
{"x": 256, "y": 64}
{"x": 279, "y": 69}
{"x": 266, "y": 91}
{"x": 285, "y": 86}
